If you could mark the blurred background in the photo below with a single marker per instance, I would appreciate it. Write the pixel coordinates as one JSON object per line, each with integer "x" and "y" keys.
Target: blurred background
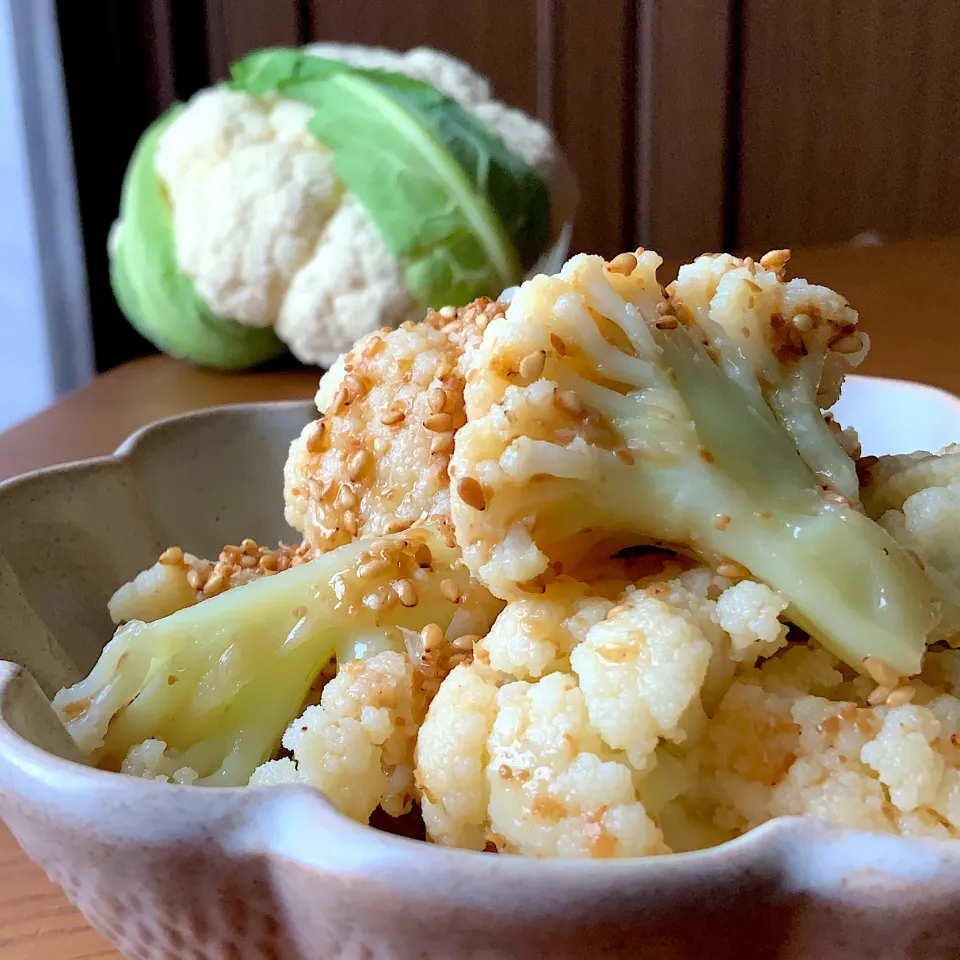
{"x": 693, "y": 125}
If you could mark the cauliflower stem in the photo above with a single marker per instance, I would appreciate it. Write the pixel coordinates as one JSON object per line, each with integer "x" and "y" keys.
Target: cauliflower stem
{"x": 634, "y": 425}
{"x": 219, "y": 682}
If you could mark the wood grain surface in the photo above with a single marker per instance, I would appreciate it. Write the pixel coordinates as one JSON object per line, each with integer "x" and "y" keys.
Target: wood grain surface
{"x": 909, "y": 299}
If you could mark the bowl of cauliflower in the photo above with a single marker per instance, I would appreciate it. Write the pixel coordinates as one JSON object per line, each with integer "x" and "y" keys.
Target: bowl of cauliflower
{"x": 564, "y": 623}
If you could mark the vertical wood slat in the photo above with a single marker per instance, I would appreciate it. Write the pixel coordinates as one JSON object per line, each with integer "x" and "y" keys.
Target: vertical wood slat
{"x": 850, "y": 120}
{"x": 683, "y": 102}
{"x": 234, "y": 27}
{"x": 496, "y": 38}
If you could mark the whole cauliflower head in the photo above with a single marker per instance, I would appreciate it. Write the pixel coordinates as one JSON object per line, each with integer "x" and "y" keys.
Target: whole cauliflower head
{"x": 263, "y": 225}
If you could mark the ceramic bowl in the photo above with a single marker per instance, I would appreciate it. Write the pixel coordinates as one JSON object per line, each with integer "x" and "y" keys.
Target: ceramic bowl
{"x": 178, "y": 872}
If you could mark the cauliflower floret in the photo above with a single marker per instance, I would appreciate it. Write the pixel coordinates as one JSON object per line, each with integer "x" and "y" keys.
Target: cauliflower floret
{"x": 357, "y": 745}
{"x": 639, "y": 670}
{"x": 451, "y": 758}
{"x": 151, "y": 761}
{"x": 749, "y": 613}
{"x": 534, "y": 636}
{"x": 377, "y": 460}
{"x": 927, "y": 523}
{"x": 794, "y": 737}
{"x": 159, "y": 590}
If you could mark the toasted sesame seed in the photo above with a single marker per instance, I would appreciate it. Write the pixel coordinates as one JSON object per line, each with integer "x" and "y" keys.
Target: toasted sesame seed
{"x": 248, "y": 562}
{"x": 269, "y": 563}
{"x": 442, "y": 443}
{"x": 705, "y": 455}
{"x": 373, "y": 568}
{"x": 879, "y": 694}
{"x": 357, "y": 464}
{"x": 372, "y": 348}
{"x": 380, "y": 446}
{"x": 383, "y": 545}
{"x": 450, "y": 591}
{"x": 315, "y": 437}
{"x": 346, "y": 498}
{"x": 668, "y": 322}
{"x": 732, "y": 570}
{"x": 664, "y": 307}
{"x": 852, "y": 343}
{"x": 900, "y": 696}
{"x": 392, "y": 416}
{"x": 448, "y": 313}
{"x": 721, "y": 521}
{"x": 775, "y": 260}
{"x": 531, "y": 366}
{"x": 432, "y": 636}
{"x": 406, "y": 592}
{"x": 467, "y": 641}
{"x": 623, "y": 263}
{"x": 881, "y": 671}
{"x": 471, "y": 493}
{"x": 215, "y": 585}
{"x": 194, "y": 579}
{"x": 439, "y": 423}
{"x": 802, "y": 322}
{"x": 171, "y": 557}
{"x": 436, "y": 398}
{"x": 558, "y": 344}
{"x": 570, "y": 401}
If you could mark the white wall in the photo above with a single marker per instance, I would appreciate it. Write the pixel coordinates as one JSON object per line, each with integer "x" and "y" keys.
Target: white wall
{"x": 26, "y": 370}
{"x": 45, "y": 341}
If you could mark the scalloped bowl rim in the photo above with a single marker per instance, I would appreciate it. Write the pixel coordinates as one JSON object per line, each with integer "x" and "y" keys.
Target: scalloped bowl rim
{"x": 66, "y": 777}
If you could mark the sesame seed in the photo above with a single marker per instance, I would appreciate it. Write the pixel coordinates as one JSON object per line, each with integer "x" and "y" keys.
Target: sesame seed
{"x": 193, "y": 578}
{"x": 346, "y": 498}
{"x": 558, "y": 344}
{"x": 338, "y": 403}
{"x": 749, "y": 264}
{"x": 350, "y": 523}
{"x": 392, "y": 416}
{"x": 705, "y": 455}
{"x": 881, "y": 671}
{"x": 315, "y": 437}
{"x": 570, "y": 401}
{"x": 432, "y": 636}
{"x": 421, "y": 553}
{"x": 439, "y": 423}
{"x": 380, "y": 446}
{"x": 248, "y": 563}
{"x": 667, "y": 322}
{"x": 732, "y": 570}
{"x": 373, "y": 568}
{"x": 442, "y": 443}
{"x": 721, "y": 521}
{"x": 397, "y": 526}
{"x": 450, "y": 591}
{"x": 879, "y": 695}
{"x": 436, "y": 398}
{"x": 775, "y": 260}
{"x": 215, "y": 585}
{"x": 444, "y": 370}
{"x": 471, "y": 493}
{"x": 623, "y": 263}
{"x": 531, "y": 366}
{"x": 852, "y": 343}
{"x": 383, "y": 545}
{"x": 467, "y": 641}
{"x": 900, "y": 696}
{"x": 406, "y": 592}
{"x": 448, "y": 313}
{"x": 356, "y": 464}
{"x": 269, "y": 563}
{"x": 802, "y": 322}
{"x": 171, "y": 557}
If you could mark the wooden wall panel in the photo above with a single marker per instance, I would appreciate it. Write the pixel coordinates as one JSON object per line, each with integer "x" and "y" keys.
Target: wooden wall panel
{"x": 499, "y": 39}
{"x": 849, "y": 120}
{"x": 683, "y": 99}
{"x": 235, "y": 27}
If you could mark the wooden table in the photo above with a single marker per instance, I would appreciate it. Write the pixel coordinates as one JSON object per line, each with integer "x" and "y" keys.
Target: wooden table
{"x": 908, "y": 296}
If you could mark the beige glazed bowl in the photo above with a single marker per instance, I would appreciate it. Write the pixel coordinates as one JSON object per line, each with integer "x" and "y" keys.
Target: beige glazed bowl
{"x": 179, "y": 872}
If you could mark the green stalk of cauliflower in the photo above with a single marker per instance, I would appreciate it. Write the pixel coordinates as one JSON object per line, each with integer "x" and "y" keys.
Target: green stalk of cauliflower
{"x": 600, "y": 410}
{"x": 204, "y": 695}
{"x": 322, "y": 194}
